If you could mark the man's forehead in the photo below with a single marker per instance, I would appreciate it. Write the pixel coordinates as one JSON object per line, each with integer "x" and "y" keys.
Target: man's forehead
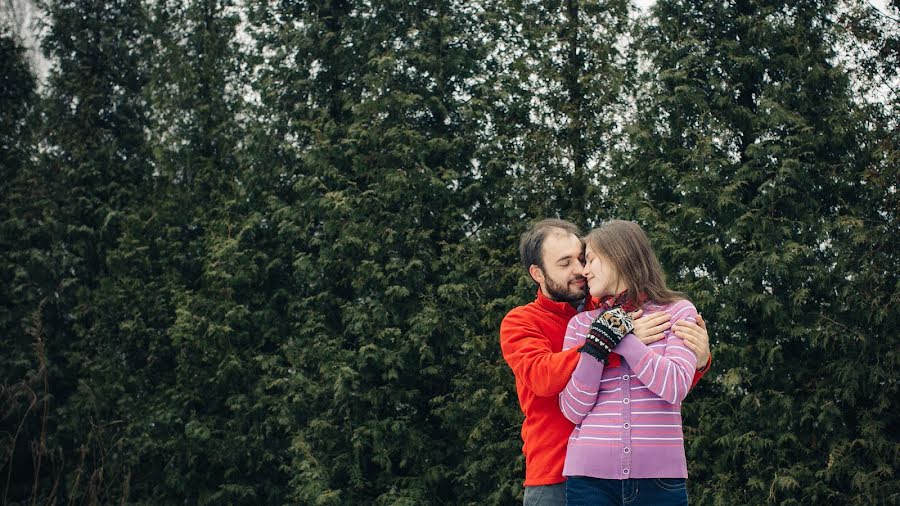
{"x": 562, "y": 244}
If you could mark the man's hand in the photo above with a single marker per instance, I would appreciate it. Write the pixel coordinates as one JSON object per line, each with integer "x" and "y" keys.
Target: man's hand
{"x": 695, "y": 337}
{"x": 650, "y": 328}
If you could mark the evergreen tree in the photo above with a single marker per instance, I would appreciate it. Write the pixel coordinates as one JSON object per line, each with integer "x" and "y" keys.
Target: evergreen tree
{"x": 20, "y": 200}
{"x": 549, "y": 103}
{"x": 372, "y": 140}
{"x": 559, "y": 76}
{"x": 207, "y": 437}
{"x": 863, "y": 460}
{"x": 91, "y": 165}
{"x": 17, "y": 96}
{"x": 751, "y": 172}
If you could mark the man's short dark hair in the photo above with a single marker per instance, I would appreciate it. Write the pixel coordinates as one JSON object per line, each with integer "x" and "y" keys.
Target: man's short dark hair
{"x": 531, "y": 246}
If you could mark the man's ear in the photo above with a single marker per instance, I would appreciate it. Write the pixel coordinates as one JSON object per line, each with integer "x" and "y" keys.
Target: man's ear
{"x": 537, "y": 274}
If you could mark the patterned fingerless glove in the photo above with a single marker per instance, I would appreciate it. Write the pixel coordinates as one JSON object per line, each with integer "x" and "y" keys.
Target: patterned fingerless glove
{"x": 606, "y": 332}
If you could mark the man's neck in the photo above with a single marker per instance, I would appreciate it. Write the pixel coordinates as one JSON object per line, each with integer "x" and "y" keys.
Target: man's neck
{"x": 579, "y": 306}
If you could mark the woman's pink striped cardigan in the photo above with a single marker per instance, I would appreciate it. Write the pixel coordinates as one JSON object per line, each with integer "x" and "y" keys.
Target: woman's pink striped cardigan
{"x": 628, "y": 418}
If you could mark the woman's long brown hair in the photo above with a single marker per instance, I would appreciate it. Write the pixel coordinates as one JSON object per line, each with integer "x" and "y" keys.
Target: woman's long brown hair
{"x": 625, "y": 244}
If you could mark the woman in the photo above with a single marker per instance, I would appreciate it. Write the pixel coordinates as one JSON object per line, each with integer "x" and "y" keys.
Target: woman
{"x": 624, "y": 396}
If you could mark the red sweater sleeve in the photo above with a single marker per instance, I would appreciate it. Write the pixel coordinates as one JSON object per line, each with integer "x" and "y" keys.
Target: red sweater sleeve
{"x": 699, "y": 374}
{"x": 527, "y": 351}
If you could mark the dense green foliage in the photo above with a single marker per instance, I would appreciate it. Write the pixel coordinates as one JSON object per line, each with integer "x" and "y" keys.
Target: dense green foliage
{"x": 259, "y": 254}
{"x": 768, "y": 204}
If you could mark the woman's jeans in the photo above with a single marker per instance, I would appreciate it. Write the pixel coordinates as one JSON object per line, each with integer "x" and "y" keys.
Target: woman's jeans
{"x": 583, "y": 490}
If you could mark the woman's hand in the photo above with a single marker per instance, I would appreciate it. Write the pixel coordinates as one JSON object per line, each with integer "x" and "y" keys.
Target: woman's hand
{"x": 605, "y": 333}
{"x": 695, "y": 337}
{"x": 650, "y": 328}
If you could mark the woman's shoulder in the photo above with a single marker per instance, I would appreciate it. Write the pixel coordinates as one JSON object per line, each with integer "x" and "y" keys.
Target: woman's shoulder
{"x": 678, "y": 308}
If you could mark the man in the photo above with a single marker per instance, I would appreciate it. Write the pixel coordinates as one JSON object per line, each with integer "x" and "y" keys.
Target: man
{"x": 531, "y": 338}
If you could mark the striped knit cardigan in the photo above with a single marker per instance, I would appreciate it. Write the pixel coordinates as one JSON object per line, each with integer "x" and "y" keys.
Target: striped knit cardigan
{"x": 628, "y": 418}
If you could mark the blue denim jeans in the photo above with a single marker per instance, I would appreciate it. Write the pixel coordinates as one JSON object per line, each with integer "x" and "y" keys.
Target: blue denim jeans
{"x": 583, "y": 490}
{"x": 545, "y": 495}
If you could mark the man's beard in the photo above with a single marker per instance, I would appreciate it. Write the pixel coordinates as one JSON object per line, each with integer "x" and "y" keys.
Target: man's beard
{"x": 565, "y": 293}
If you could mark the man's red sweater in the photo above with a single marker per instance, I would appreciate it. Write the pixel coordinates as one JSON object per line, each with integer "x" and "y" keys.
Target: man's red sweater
{"x": 531, "y": 338}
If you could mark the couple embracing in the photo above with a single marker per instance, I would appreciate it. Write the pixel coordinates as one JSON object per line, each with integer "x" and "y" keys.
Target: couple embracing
{"x": 602, "y": 359}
